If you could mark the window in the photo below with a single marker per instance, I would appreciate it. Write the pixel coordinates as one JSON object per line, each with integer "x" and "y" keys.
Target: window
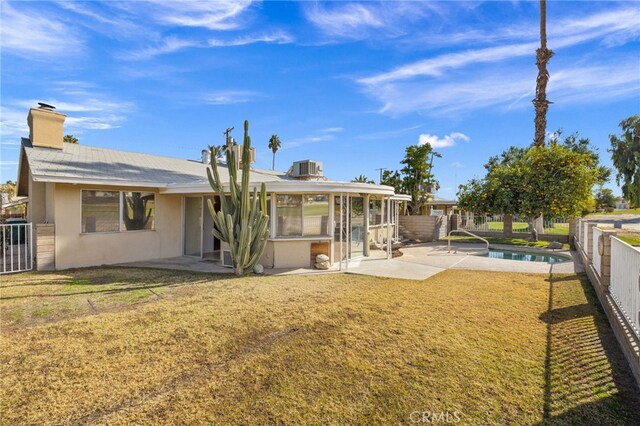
{"x": 375, "y": 212}
{"x": 138, "y": 210}
{"x": 115, "y": 211}
{"x": 302, "y": 215}
{"x": 289, "y": 214}
{"x": 100, "y": 210}
{"x": 315, "y": 215}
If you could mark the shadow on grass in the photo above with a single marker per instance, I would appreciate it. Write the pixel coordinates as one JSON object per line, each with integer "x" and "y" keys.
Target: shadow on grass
{"x": 587, "y": 379}
{"x": 121, "y": 281}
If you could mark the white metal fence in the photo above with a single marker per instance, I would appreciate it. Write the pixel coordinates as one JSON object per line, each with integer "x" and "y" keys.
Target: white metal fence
{"x": 519, "y": 224}
{"x": 596, "y": 258}
{"x": 16, "y": 248}
{"x": 625, "y": 280}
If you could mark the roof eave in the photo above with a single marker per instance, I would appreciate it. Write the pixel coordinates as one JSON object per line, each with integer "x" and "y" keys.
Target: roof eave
{"x": 290, "y": 187}
{"x": 101, "y": 182}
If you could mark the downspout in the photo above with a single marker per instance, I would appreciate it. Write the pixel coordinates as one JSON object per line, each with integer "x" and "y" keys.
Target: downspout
{"x": 348, "y": 232}
{"x": 389, "y": 232}
{"x": 341, "y": 228}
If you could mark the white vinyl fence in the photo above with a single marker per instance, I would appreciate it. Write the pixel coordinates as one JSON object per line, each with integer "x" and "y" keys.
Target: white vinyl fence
{"x": 625, "y": 280}
{"x": 597, "y": 259}
{"x": 519, "y": 224}
{"x": 16, "y": 248}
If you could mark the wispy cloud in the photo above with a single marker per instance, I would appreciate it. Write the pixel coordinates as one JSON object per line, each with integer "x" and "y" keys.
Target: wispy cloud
{"x": 435, "y": 67}
{"x": 174, "y": 44}
{"x": 276, "y": 38}
{"x": 388, "y": 134}
{"x": 489, "y": 76}
{"x": 323, "y": 135}
{"x": 443, "y": 142}
{"x": 110, "y": 22}
{"x": 86, "y": 110}
{"x": 212, "y": 15}
{"x": 33, "y": 34}
{"x": 230, "y": 97}
{"x": 360, "y": 20}
{"x": 13, "y": 124}
{"x": 170, "y": 44}
{"x": 457, "y": 165}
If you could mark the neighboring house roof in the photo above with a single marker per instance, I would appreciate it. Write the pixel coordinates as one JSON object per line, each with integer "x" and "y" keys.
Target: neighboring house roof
{"x": 438, "y": 200}
{"x": 83, "y": 164}
{"x": 16, "y": 202}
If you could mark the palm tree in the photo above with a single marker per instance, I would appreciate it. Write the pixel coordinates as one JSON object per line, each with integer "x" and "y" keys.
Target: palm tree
{"x": 274, "y": 146}
{"x": 362, "y": 179}
{"x": 541, "y": 104}
{"x": 70, "y": 139}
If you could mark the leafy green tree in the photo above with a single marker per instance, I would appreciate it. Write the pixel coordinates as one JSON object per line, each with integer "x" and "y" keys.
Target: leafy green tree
{"x": 69, "y": 139}
{"x": 625, "y": 154}
{"x": 417, "y": 178}
{"x": 9, "y": 188}
{"x": 392, "y": 178}
{"x": 362, "y": 179}
{"x": 605, "y": 200}
{"x": 552, "y": 180}
{"x": 274, "y": 146}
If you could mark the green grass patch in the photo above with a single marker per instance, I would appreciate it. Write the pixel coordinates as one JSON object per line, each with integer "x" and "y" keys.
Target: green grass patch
{"x": 632, "y": 240}
{"x": 498, "y": 348}
{"x": 616, "y": 212}
{"x": 556, "y": 229}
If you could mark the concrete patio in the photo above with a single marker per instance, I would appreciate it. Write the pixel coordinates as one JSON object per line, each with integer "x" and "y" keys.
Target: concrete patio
{"x": 418, "y": 262}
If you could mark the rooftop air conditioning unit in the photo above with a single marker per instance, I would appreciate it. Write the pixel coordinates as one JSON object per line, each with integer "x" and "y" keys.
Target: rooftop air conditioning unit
{"x": 307, "y": 168}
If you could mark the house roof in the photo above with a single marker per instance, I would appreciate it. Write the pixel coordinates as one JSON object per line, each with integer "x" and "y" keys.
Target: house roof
{"x": 439, "y": 200}
{"x": 77, "y": 163}
{"x": 81, "y": 164}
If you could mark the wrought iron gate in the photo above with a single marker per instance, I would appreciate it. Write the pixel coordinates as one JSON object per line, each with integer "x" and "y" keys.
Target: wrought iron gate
{"x": 16, "y": 248}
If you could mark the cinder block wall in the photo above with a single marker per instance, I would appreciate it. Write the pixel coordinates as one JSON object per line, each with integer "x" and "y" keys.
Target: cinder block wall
{"x": 423, "y": 228}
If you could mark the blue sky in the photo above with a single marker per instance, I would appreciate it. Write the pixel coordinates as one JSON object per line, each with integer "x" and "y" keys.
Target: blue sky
{"x": 350, "y": 84}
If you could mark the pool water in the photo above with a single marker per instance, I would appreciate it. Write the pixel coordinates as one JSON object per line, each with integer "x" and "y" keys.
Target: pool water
{"x": 525, "y": 256}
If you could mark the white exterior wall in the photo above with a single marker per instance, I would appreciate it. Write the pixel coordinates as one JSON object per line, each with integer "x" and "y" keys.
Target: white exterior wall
{"x": 74, "y": 249}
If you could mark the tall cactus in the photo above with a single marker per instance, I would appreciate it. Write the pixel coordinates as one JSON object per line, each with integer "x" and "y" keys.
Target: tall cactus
{"x": 239, "y": 222}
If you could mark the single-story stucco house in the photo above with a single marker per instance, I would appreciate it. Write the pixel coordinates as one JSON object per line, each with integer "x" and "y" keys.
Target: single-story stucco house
{"x": 440, "y": 206}
{"x": 104, "y": 206}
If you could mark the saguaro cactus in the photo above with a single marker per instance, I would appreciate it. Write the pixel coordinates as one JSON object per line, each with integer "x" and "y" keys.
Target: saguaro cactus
{"x": 135, "y": 215}
{"x": 240, "y": 222}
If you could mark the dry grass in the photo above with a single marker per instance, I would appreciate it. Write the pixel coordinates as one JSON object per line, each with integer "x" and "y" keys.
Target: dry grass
{"x": 97, "y": 346}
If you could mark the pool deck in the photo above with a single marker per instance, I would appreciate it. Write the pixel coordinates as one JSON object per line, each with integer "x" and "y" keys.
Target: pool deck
{"x": 418, "y": 262}
{"x": 464, "y": 256}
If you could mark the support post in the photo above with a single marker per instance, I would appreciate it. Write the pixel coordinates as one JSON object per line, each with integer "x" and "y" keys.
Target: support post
{"x": 589, "y": 241}
{"x": 605, "y": 260}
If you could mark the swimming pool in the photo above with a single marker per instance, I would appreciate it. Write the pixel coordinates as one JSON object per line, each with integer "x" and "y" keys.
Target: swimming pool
{"x": 524, "y": 256}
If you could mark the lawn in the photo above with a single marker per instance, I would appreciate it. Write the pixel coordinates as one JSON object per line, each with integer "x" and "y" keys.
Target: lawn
{"x": 617, "y": 212}
{"x": 523, "y": 227}
{"x": 506, "y": 241}
{"x": 633, "y": 240}
{"x": 126, "y": 346}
